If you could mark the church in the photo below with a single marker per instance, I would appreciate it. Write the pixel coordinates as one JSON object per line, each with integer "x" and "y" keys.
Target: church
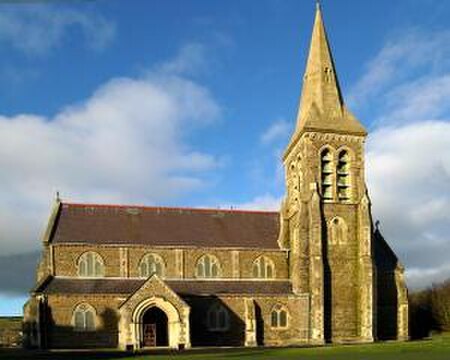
{"x": 318, "y": 271}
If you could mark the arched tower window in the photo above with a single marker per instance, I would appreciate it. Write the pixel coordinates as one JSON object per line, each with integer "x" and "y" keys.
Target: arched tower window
{"x": 326, "y": 161}
{"x": 343, "y": 176}
{"x": 338, "y": 231}
{"x": 208, "y": 266}
{"x": 263, "y": 268}
{"x": 151, "y": 264}
{"x": 279, "y": 317}
{"x": 84, "y": 318}
{"x": 218, "y": 318}
{"x": 90, "y": 264}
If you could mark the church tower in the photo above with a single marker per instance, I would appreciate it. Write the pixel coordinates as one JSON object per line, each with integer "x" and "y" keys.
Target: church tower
{"x": 326, "y": 220}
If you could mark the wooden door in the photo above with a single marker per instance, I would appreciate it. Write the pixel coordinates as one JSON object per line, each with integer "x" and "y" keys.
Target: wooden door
{"x": 149, "y": 335}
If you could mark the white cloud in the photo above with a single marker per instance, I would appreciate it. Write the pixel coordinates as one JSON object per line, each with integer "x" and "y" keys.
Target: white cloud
{"x": 125, "y": 143}
{"x": 408, "y": 171}
{"x": 405, "y": 90}
{"x": 191, "y": 59}
{"x": 425, "y": 277}
{"x": 36, "y": 29}
{"x": 279, "y": 130}
{"x": 404, "y": 59}
{"x": 266, "y": 202}
{"x": 424, "y": 98}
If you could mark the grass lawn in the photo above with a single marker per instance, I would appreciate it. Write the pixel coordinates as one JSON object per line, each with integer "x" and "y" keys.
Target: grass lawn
{"x": 10, "y": 322}
{"x": 10, "y": 328}
{"x": 436, "y": 349}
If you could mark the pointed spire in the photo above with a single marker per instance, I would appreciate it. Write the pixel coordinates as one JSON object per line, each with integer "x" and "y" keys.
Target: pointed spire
{"x": 320, "y": 83}
{"x": 322, "y": 106}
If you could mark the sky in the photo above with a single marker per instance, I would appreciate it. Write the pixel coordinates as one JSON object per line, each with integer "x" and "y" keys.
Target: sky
{"x": 192, "y": 102}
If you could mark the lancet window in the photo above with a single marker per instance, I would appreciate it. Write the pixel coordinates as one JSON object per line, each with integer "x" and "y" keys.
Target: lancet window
{"x": 343, "y": 176}
{"x": 338, "y": 231}
{"x": 327, "y": 174}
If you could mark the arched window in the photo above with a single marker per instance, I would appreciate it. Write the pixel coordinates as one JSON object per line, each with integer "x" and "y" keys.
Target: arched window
{"x": 90, "y": 264}
{"x": 218, "y": 318}
{"x": 84, "y": 318}
{"x": 343, "y": 176}
{"x": 326, "y": 164}
{"x": 279, "y": 317}
{"x": 337, "y": 231}
{"x": 263, "y": 268}
{"x": 151, "y": 264}
{"x": 208, "y": 267}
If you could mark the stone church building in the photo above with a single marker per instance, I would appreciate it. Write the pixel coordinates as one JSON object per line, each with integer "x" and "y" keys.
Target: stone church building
{"x": 317, "y": 271}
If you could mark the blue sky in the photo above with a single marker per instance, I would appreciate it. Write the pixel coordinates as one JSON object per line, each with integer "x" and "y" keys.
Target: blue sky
{"x": 190, "y": 103}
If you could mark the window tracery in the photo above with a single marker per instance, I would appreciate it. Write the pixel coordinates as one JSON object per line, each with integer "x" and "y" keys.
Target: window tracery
{"x": 279, "y": 317}
{"x": 84, "y": 318}
{"x": 208, "y": 266}
{"x": 263, "y": 268}
{"x": 151, "y": 264}
{"x": 90, "y": 264}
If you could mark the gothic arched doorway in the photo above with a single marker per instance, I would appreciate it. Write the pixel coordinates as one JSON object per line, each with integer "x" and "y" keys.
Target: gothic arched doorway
{"x": 155, "y": 328}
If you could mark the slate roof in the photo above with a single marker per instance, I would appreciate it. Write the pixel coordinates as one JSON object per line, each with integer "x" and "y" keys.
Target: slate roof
{"x": 156, "y": 226}
{"x": 181, "y": 287}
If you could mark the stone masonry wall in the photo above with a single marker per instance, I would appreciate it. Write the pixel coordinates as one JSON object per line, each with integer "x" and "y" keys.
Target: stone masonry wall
{"x": 341, "y": 277}
{"x": 297, "y": 331}
{"x": 179, "y": 263}
{"x": 61, "y": 333}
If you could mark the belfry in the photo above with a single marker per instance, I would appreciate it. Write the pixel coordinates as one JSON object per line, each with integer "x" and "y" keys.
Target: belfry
{"x": 326, "y": 217}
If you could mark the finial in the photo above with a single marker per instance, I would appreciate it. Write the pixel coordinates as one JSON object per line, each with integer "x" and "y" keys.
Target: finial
{"x": 377, "y": 225}
{"x": 57, "y": 196}
{"x": 318, "y": 4}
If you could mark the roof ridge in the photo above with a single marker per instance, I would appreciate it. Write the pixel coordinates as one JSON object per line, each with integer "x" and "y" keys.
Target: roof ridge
{"x": 170, "y": 208}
